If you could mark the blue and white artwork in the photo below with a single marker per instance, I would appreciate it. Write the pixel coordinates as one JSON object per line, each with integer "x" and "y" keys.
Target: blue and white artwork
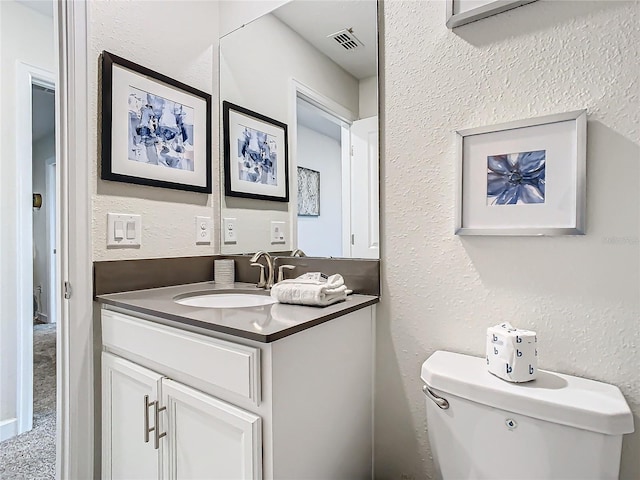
{"x": 257, "y": 157}
{"x": 516, "y": 178}
{"x": 160, "y": 131}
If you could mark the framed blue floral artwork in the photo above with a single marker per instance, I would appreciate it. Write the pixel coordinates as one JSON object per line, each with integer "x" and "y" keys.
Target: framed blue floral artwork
{"x": 526, "y": 177}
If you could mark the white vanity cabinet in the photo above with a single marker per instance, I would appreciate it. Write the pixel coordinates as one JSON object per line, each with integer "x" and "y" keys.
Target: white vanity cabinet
{"x": 226, "y": 407}
{"x": 155, "y": 428}
{"x": 129, "y": 392}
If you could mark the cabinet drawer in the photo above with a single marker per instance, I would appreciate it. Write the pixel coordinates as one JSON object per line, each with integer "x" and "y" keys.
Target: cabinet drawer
{"x": 228, "y": 365}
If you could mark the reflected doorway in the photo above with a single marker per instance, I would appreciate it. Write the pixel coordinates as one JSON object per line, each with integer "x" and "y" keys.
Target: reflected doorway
{"x": 320, "y": 161}
{"x": 337, "y": 183}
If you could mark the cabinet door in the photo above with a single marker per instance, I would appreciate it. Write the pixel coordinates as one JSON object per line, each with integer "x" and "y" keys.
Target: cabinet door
{"x": 128, "y": 393}
{"x": 208, "y": 438}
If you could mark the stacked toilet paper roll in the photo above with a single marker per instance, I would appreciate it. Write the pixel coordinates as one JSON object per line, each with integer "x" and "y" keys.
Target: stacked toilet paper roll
{"x": 224, "y": 272}
{"x": 512, "y": 353}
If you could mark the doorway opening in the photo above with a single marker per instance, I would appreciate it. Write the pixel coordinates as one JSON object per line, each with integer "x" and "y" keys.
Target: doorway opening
{"x": 336, "y": 179}
{"x": 31, "y": 452}
{"x": 43, "y": 161}
{"x": 320, "y": 165}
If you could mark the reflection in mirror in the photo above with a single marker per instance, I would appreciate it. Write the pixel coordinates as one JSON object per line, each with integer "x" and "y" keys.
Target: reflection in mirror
{"x": 311, "y": 64}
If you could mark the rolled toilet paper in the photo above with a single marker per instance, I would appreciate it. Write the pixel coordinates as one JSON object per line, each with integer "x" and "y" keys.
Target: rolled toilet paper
{"x": 512, "y": 353}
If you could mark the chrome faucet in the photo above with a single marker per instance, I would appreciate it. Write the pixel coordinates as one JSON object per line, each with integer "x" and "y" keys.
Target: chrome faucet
{"x": 298, "y": 253}
{"x": 268, "y": 281}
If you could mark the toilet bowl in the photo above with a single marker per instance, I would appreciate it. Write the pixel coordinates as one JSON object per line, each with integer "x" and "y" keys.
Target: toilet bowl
{"x": 556, "y": 427}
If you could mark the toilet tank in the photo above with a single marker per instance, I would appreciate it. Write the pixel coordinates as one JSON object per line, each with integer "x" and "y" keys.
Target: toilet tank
{"x": 555, "y": 427}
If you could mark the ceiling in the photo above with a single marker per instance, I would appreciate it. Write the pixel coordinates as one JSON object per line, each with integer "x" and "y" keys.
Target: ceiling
{"x": 314, "y": 20}
{"x": 45, "y": 7}
{"x": 43, "y": 119}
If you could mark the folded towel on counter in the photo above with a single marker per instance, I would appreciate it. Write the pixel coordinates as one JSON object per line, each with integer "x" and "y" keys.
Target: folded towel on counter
{"x": 306, "y": 291}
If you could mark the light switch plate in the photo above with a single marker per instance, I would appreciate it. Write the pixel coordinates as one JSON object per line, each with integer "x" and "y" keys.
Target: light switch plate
{"x": 229, "y": 229}
{"x": 124, "y": 230}
{"x": 203, "y": 230}
{"x": 277, "y": 232}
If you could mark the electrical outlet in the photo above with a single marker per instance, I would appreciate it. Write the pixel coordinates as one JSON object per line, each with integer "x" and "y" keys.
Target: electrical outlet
{"x": 203, "y": 230}
{"x": 229, "y": 228}
{"x": 278, "y": 232}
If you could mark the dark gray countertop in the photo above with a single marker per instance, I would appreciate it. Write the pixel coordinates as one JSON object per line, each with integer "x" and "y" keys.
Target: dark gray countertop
{"x": 264, "y": 323}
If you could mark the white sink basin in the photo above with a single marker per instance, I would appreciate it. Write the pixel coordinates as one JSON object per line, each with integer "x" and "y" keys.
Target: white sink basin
{"x": 225, "y": 300}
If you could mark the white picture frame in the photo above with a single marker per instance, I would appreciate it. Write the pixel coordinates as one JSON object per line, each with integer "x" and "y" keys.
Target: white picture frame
{"x": 461, "y": 12}
{"x": 526, "y": 177}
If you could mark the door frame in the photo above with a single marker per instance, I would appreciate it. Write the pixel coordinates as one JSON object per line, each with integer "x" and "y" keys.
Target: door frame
{"x": 347, "y": 117}
{"x": 75, "y": 362}
{"x": 26, "y": 76}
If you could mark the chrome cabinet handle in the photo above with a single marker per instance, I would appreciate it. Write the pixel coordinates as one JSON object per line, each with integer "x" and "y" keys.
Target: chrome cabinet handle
{"x": 441, "y": 402}
{"x": 156, "y": 416}
{"x": 147, "y": 430}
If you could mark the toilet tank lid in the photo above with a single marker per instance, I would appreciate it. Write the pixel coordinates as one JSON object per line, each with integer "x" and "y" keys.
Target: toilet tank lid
{"x": 554, "y": 397}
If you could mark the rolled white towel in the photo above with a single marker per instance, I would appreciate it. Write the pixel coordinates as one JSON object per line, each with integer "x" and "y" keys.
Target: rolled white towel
{"x": 299, "y": 291}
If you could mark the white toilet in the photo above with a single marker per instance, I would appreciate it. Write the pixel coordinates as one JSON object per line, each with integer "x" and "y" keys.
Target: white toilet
{"x": 555, "y": 427}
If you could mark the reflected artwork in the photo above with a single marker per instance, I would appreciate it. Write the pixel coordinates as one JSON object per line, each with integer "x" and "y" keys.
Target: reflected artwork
{"x": 257, "y": 157}
{"x": 160, "y": 131}
{"x": 308, "y": 192}
{"x": 516, "y": 178}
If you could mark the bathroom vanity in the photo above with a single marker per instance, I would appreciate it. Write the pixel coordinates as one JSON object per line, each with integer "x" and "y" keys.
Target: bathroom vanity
{"x": 271, "y": 391}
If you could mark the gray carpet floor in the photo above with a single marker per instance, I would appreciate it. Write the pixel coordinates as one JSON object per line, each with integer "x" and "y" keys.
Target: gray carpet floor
{"x": 32, "y": 455}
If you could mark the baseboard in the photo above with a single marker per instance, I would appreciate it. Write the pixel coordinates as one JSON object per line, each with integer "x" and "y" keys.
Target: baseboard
{"x": 42, "y": 317}
{"x": 8, "y": 429}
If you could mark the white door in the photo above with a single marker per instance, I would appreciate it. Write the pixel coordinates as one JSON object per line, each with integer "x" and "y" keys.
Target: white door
{"x": 128, "y": 395}
{"x": 364, "y": 189}
{"x": 207, "y": 438}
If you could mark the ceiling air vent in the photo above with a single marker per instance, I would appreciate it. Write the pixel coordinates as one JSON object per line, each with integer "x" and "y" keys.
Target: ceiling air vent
{"x": 346, "y": 39}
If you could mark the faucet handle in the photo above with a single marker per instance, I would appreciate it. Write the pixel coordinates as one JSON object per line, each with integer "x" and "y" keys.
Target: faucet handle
{"x": 262, "y": 283}
{"x": 281, "y": 271}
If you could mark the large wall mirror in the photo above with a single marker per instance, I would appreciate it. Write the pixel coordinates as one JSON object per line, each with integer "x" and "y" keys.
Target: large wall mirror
{"x": 313, "y": 66}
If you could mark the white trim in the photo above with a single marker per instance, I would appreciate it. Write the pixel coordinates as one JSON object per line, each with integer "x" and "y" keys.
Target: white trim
{"x": 8, "y": 429}
{"x": 26, "y": 77}
{"x": 322, "y": 102}
{"x": 75, "y": 426}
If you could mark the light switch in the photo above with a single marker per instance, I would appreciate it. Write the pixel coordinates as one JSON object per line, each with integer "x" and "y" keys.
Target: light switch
{"x": 229, "y": 228}
{"x": 131, "y": 230}
{"x": 203, "y": 230}
{"x": 124, "y": 230}
{"x": 278, "y": 232}
{"x": 118, "y": 231}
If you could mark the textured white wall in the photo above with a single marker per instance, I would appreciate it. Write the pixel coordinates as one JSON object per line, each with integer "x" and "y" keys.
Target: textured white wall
{"x": 264, "y": 85}
{"x": 368, "y": 97}
{"x": 25, "y": 36}
{"x": 322, "y": 236}
{"x": 581, "y": 294}
{"x": 178, "y": 39}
